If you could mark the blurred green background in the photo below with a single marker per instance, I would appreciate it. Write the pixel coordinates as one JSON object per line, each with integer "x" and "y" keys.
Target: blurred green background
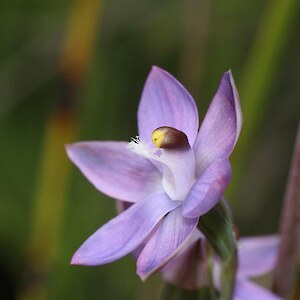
{"x": 74, "y": 70}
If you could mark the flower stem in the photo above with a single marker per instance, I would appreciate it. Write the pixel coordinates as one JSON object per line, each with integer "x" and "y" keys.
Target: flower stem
{"x": 229, "y": 268}
{"x": 217, "y": 227}
{"x": 285, "y": 271}
{"x": 210, "y": 265}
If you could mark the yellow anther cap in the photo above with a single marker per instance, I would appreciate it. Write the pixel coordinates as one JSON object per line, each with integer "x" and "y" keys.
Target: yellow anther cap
{"x": 169, "y": 138}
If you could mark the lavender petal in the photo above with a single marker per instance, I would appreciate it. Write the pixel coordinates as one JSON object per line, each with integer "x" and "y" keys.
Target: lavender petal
{"x": 165, "y": 102}
{"x": 207, "y": 190}
{"x": 221, "y": 126}
{"x": 114, "y": 170}
{"x": 165, "y": 243}
{"x": 124, "y": 233}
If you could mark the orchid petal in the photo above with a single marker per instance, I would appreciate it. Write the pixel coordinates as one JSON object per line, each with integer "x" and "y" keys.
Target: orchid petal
{"x": 207, "y": 190}
{"x": 257, "y": 255}
{"x": 188, "y": 269}
{"x": 178, "y": 172}
{"x": 246, "y": 290}
{"x": 165, "y": 243}
{"x": 165, "y": 102}
{"x": 221, "y": 126}
{"x": 125, "y": 232}
{"x": 115, "y": 170}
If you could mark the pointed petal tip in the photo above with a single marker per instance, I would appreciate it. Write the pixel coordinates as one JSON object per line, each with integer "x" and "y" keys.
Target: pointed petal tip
{"x": 232, "y": 82}
{"x": 74, "y": 261}
{"x": 157, "y": 71}
{"x": 67, "y": 146}
{"x": 73, "y": 150}
{"x": 145, "y": 275}
{"x": 155, "y": 68}
{"x": 70, "y": 147}
{"x": 228, "y": 78}
{"x": 229, "y": 72}
{"x": 80, "y": 260}
{"x": 142, "y": 276}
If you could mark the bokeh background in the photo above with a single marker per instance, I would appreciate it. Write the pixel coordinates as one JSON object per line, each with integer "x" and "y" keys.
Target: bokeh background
{"x": 74, "y": 70}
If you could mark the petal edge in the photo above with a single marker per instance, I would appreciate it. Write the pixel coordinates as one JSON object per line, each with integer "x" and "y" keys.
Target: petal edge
{"x": 165, "y": 102}
{"x": 114, "y": 170}
{"x": 124, "y": 233}
{"x": 221, "y": 126}
{"x": 207, "y": 190}
{"x": 167, "y": 240}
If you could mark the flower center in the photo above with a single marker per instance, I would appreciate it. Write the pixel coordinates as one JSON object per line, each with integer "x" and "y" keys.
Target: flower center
{"x": 170, "y": 138}
{"x": 176, "y": 156}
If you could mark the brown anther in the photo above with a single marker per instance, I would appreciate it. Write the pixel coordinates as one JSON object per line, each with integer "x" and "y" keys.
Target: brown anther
{"x": 170, "y": 138}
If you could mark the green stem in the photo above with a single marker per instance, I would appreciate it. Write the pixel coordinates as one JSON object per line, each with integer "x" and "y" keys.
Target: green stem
{"x": 228, "y": 272}
{"x": 217, "y": 227}
{"x": 210, "y": 265}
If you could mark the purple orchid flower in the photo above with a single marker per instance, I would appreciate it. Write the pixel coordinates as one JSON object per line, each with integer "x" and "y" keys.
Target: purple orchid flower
{"x": 256, "y": 257}
{"x": 169, "y": 175}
